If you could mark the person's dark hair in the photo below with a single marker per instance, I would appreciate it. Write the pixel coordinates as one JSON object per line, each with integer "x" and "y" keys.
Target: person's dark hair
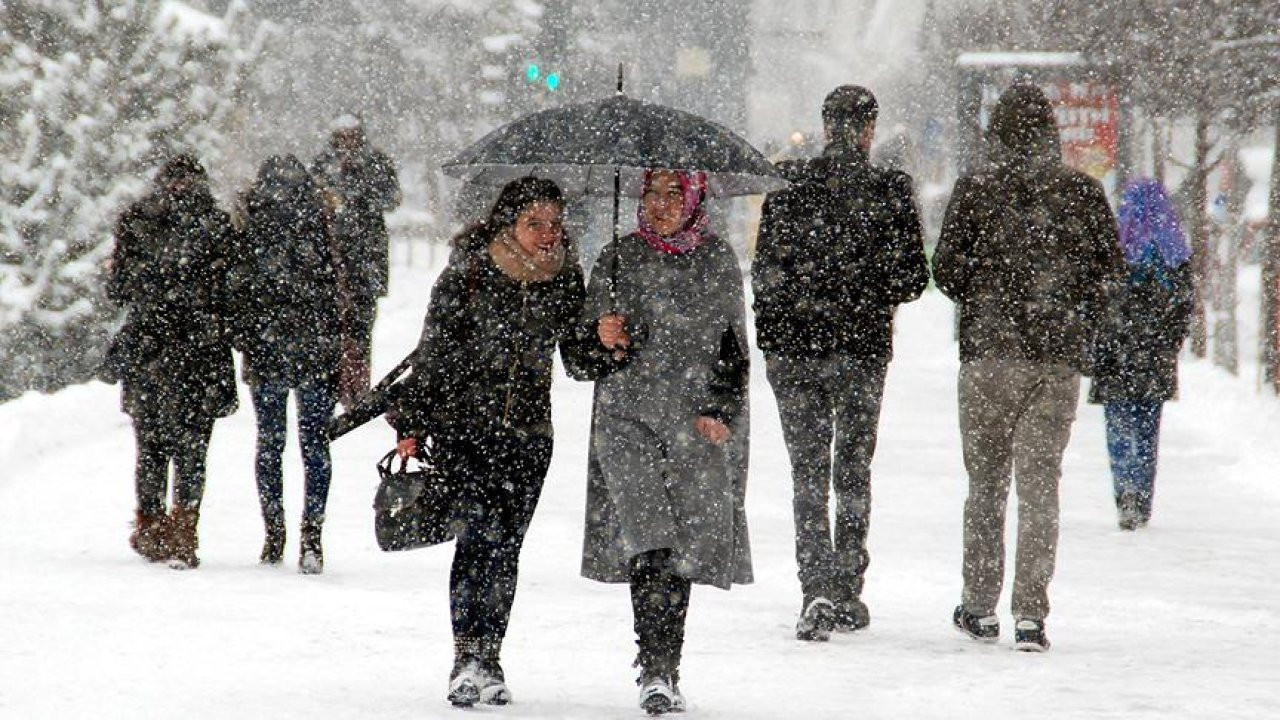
{"x": 518, "y": 195}
{"x": 183, "y": 166}
{"x": 1023, "y": 117}
{"x": 849, "y": 109}
{"x": 514, "y": 198}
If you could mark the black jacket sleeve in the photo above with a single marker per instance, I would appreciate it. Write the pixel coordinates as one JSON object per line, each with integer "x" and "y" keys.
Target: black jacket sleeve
{"x": 440, "y": 354}
{"x": 954, "y": 260}
{"x": 728, "y": 380}
{"x": 900, "y": 256}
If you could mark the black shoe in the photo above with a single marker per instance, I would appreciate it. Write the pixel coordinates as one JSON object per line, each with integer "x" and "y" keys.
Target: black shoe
{"x": 983, "y": 629}
{"x": 851, "y": 614}
{"x": 1127, "y": 509}
{"x": 817, "y": 619}
{"x": 465, "y": 681}
{"x": 1028, "y": 636}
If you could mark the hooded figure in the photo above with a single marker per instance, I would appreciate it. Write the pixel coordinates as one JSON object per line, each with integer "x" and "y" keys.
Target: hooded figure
{"x": 173, "y": 354}
{"x": 360, "y": 186}
{"x": 667, "y": 466}
{"x": 1136, "y": 355}
{"x": 287, "y": 293}
{"x": 1028, "y": 253}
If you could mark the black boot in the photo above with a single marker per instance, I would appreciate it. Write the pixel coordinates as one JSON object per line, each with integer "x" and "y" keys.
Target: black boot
{"x": 273, "y": 544}
{"x": 464, "y": 680}
{"x": 493, "y": 684}
{"x": 311, "y": 556}
{"x": 660, "y": 601}
{"x": 1127, "y": 510}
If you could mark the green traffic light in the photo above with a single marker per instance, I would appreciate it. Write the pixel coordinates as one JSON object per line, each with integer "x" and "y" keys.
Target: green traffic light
{"x": 553, "y": 81}
{"x": 532, "y": 73}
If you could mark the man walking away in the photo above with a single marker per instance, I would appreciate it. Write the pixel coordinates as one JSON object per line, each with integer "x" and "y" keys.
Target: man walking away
{"x": 360, "y": 186}
{"x": 1028, "y": 253}
{"x": 837, "y": 252}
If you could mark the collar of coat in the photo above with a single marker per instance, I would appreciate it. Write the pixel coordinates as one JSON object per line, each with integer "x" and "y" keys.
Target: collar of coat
{"x": 521, "y": 266}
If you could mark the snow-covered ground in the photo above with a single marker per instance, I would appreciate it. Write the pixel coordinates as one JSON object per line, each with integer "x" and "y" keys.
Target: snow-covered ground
{"x": 1180, "y": 620}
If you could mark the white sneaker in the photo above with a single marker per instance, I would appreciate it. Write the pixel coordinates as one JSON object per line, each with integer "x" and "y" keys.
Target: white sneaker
{"x": 657, "y": 697}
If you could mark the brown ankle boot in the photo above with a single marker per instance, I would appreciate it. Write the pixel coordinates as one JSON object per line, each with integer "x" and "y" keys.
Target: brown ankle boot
{"x": 150, "y": 536}
{"x": 182, "y": 538}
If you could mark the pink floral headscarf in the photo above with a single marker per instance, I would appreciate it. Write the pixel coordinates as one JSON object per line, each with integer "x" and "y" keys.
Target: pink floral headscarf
{"x": 693, "y": 228}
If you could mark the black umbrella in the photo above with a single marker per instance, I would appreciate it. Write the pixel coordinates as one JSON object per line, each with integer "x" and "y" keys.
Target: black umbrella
{"x": 604, "y": 146}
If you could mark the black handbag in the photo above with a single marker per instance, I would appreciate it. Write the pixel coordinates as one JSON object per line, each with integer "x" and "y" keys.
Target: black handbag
{"x": 413, "y": 508}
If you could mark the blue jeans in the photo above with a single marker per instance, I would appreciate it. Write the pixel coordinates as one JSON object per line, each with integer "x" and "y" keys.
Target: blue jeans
{"x": 1133, "y": 433}
{"x": 315, "y": 401}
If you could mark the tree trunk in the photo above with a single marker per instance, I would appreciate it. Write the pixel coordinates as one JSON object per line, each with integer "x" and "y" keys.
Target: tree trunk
{"x": 1271, "y": 275}
{"x": 1196, "y": 222}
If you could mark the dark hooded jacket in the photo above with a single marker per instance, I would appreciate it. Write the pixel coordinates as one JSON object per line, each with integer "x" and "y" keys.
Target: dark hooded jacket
{"x": 1028, "y": 249}
{"x": 365, "y": 186}
{"x": 837, "y": 252}
{"x": 1136, "y": 353}
{"x": 286, "y": 283}
{"x": 484, "y": 361}
{"x": 169, "y": 270}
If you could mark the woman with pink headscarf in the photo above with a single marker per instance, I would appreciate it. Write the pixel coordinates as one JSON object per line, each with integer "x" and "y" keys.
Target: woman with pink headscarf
{"x": 668, "y": 456}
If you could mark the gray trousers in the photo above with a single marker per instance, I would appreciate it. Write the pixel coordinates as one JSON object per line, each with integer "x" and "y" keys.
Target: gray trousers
{"x": 830, "y": 411}
{"x": 1015, "y": 422}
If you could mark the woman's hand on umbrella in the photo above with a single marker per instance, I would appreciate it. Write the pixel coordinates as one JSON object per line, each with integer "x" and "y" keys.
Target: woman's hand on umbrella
{"x": 407, "y": 448}
{"x": 612, "y": 331}
{"x": 712, "y": 429}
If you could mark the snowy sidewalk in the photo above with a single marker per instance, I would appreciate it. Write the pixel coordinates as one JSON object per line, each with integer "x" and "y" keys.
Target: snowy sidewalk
{"x": 1180, "y": 620}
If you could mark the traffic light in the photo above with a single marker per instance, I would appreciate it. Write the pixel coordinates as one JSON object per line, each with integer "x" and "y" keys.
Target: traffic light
{"x": 534, "y": 75}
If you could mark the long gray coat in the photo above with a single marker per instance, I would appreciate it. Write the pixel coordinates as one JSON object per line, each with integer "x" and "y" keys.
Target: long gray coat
{"x": 653, "y": 481}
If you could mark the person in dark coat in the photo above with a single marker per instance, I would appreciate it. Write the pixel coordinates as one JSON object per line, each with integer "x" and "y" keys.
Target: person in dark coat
{"x": 360, "y": 187}
{"x": 1136, "y": 357}
{"x": 173, "y": 354}
{"x": 838, "y": 251}
{"x": 480, "y": 393}
{"x": 667, "y": 467}
{"x": 287, "y": 296}
{"x": 1028, "y": 253}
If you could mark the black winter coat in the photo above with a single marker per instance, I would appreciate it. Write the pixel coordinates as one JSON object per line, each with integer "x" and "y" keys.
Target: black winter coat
{"x": 285, "y": 286}
{"x": 366, "y": 187}
{"x": 1136, "y": 355}
{"x": 169, "y": 270}
{"x": 1028, "y": 252}
{"x": 484, "y": 362}
{"x": 837, "y": 252}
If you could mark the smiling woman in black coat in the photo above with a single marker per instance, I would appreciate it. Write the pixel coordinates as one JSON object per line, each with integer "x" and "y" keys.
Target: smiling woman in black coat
{"x": 480, "y": 390}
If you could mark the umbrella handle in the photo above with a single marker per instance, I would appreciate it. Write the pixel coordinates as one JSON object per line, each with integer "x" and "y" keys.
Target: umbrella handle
{"x": 613, "y": 266}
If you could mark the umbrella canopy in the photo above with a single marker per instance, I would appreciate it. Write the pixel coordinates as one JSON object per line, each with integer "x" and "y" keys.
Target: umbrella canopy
{"x": 581, "y": 145}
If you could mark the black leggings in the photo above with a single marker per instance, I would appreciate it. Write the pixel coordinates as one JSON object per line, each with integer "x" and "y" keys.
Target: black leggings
{"x": 660, "y": 604}
{"x": 501, "y": 481}
{"x": 186, "y": 445}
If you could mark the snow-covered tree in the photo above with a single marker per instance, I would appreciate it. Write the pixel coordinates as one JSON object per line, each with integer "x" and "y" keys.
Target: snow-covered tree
{"x": 92, "y": 95}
